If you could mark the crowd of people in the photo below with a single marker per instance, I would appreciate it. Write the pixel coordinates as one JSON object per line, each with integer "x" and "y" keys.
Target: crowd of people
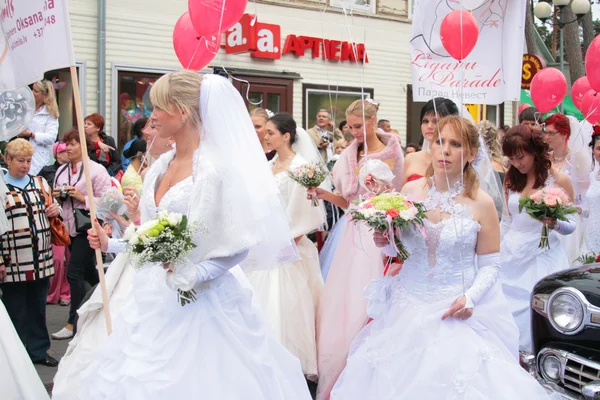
{"x": 345, "y": 316}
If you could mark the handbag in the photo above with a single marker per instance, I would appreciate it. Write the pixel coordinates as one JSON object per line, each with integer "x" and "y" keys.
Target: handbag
{"x": 59, "y": 235}
{"x": 83, "y": 222}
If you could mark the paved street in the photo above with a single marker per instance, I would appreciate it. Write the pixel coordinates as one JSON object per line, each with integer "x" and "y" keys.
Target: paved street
{"x": 56, "y": 317}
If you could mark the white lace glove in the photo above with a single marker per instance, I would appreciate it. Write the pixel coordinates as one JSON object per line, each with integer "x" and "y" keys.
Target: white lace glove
{"x": 487, "y": 274}
{"x": 186, "y": 277}
{"x": 566, "y": 227}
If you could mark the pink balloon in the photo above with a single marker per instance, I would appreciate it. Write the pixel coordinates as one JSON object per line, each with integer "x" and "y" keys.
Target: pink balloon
{"x": 591, "y": 107}
{"x": 523, "y": 107}
{"x": 210, "y": 16}
{"x": 592, "y": 64}
{"x": 548, "y": 89}
{"x": 193, "y": 51}
{"x": 459, "y": 33}
{"x": 579, "y": 89}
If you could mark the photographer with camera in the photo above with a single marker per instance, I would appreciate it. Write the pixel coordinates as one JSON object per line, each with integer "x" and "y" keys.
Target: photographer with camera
{"x": 323, "y": 135}
{"x": 70, "y": 190}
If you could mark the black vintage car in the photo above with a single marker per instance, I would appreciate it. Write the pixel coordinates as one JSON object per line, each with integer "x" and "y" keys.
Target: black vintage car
{"x": 566, "y": 332}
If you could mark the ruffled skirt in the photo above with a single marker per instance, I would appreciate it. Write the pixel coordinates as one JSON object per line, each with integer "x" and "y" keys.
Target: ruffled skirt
{"x": 289, "y": 297}
{"x": 218, "y": 347}
{"x": 409, "y": 352}
{"x": 343, "y": 307}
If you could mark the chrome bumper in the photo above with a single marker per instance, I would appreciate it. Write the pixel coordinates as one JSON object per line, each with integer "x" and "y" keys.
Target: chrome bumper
{"x": 565, "y": 394}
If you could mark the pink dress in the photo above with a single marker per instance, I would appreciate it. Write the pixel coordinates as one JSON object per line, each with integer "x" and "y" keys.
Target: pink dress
{"x": 59, "y": 286}
{"x": 356, "y": 261}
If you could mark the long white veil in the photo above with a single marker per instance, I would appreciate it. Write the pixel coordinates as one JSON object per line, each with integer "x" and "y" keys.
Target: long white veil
{"x": 228, "y": 141}
{"x": 489, "y": 180}
{"x": 580, "y": 156}
{"x": 306, "y": 147}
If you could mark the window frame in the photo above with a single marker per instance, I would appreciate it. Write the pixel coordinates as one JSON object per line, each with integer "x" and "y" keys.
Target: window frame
{"x": 309, "y": 87}
{"x": 371, "y": 9}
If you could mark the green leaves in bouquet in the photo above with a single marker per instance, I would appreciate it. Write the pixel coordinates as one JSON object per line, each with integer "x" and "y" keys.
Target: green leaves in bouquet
{"x": 541, "y": 211}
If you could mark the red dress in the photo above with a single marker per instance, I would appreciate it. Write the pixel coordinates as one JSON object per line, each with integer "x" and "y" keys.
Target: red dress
{"x": 392, "y": 264}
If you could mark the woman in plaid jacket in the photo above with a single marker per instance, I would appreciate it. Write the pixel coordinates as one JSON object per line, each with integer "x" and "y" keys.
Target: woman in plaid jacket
{"x": 27, "y": 252}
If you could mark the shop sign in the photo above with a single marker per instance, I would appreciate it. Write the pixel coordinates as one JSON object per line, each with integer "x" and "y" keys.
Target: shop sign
{"x": 531, "y": 66}
{"x": 264, "y": 40}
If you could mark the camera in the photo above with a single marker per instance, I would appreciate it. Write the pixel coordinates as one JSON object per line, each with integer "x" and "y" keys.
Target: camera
{"x": 64, "y": 194}
{"x": 325, "y": 139}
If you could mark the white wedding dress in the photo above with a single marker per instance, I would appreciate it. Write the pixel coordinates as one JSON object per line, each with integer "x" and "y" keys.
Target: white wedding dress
{"x": 218, "y": 347}
{"x": 523, "y": 263}
{"x": 18, "y": 378}
{"x": 409, "y": 352}
{"x": 591, "y": 238}
{"x": 289, "y": 295}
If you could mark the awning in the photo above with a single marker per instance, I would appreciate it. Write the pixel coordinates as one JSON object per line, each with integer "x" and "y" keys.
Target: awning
{"x": 570, "y": 108}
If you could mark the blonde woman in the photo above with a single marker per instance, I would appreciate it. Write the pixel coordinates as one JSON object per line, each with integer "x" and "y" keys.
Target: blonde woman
{"x": 259, "y": 119}
{"x": 218, "y": 346}
{"x": 43, "y": 129}
{"x": 352, "y": 259}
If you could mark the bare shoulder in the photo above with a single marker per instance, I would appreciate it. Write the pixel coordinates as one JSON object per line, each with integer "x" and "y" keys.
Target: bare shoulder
{"x": 416, "y": 188}
{"x": 483, "y": 205}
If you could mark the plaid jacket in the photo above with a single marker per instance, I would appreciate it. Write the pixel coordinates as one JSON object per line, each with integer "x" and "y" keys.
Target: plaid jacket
{"x": 26, "y": 247}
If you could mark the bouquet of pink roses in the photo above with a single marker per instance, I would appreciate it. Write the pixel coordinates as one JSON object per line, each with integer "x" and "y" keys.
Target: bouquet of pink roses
{"x": 389, "y": 212}
{"x": 310, "y": 175}
{"x": 547, "y": 203}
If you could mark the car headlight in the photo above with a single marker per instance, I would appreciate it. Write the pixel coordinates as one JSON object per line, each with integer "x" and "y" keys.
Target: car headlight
{"x": 566, "y": 312}
{"x": 550, "y": 368}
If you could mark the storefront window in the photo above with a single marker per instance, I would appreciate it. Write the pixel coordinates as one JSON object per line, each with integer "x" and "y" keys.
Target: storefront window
{"x": 333, "y": 99}
{"x": 133, "y": 101}
{"x": 355, "y": 5}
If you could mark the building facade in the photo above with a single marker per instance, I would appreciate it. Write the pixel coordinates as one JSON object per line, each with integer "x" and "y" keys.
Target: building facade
{"x": 308, "y": 60}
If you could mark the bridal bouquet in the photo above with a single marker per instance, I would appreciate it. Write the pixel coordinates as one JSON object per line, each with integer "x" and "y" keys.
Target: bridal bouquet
{"x": 165, "y": 239}
{"x": 390, "y": 212}
{"x": 111, "y": 200}
{"x": 310, "y": 175}
{"x": 547, "y": 203}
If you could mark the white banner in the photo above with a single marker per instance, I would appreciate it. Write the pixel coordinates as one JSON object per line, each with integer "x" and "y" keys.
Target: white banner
{"x": 36, "y": 37}
{"x": 491, "y": 74}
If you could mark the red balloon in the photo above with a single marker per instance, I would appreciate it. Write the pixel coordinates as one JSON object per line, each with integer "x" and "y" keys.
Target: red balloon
{"x": 548, "y": 89}
{"x": 592, "y": 64}
{"x": 591, "y": 107}
{"x": 459, "y": 33}
{"x": 210, "y": 16}
{"x": 523, "y": 107}
{"x": 579, "y": 89}
{"x": 193, "y": 51}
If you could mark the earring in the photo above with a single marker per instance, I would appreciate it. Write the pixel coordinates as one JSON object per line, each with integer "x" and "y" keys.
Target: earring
{"x": 182, "y": 121}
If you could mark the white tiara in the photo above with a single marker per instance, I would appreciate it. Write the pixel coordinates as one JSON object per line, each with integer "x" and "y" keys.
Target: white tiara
{"x": 269, "y": 112}
{"x": 372, "y": 102}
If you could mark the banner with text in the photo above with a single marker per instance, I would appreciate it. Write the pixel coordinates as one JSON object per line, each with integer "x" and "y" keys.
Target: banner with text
{"x": 491, "y": 74}
{"x": 36, "y": 37}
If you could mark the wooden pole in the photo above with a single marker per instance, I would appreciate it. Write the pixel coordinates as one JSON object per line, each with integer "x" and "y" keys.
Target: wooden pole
{"x": 90, "y": 192}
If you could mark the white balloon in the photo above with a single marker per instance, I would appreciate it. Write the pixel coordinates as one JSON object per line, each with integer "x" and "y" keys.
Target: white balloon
{"x": 472, "y": 4}
{"x": 17, "y": 108}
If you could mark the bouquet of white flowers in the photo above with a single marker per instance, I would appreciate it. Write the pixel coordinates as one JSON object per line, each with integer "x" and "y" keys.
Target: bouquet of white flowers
{"x": 165, "y": 239}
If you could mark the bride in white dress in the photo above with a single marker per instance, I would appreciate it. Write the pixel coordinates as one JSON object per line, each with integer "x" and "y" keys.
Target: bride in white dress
{"x": 441, "y": 328}
{"x": 289, "y": 295}
{"x": 218, "y": 347}
{"x": 523, "y": 263}
{"x": 591, "y": 238}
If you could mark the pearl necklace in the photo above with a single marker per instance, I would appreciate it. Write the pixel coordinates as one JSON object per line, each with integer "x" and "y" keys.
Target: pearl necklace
{"x": 281, "y": 164}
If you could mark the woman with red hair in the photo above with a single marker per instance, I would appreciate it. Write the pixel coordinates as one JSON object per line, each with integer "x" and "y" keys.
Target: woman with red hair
{"x": 104, "y": 150}
{"x": 523, "y": 263}
{"x": 559, "y": 132}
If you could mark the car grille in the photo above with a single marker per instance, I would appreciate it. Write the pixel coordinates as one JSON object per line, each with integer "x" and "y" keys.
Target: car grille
{"x": 578, "y": 372}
